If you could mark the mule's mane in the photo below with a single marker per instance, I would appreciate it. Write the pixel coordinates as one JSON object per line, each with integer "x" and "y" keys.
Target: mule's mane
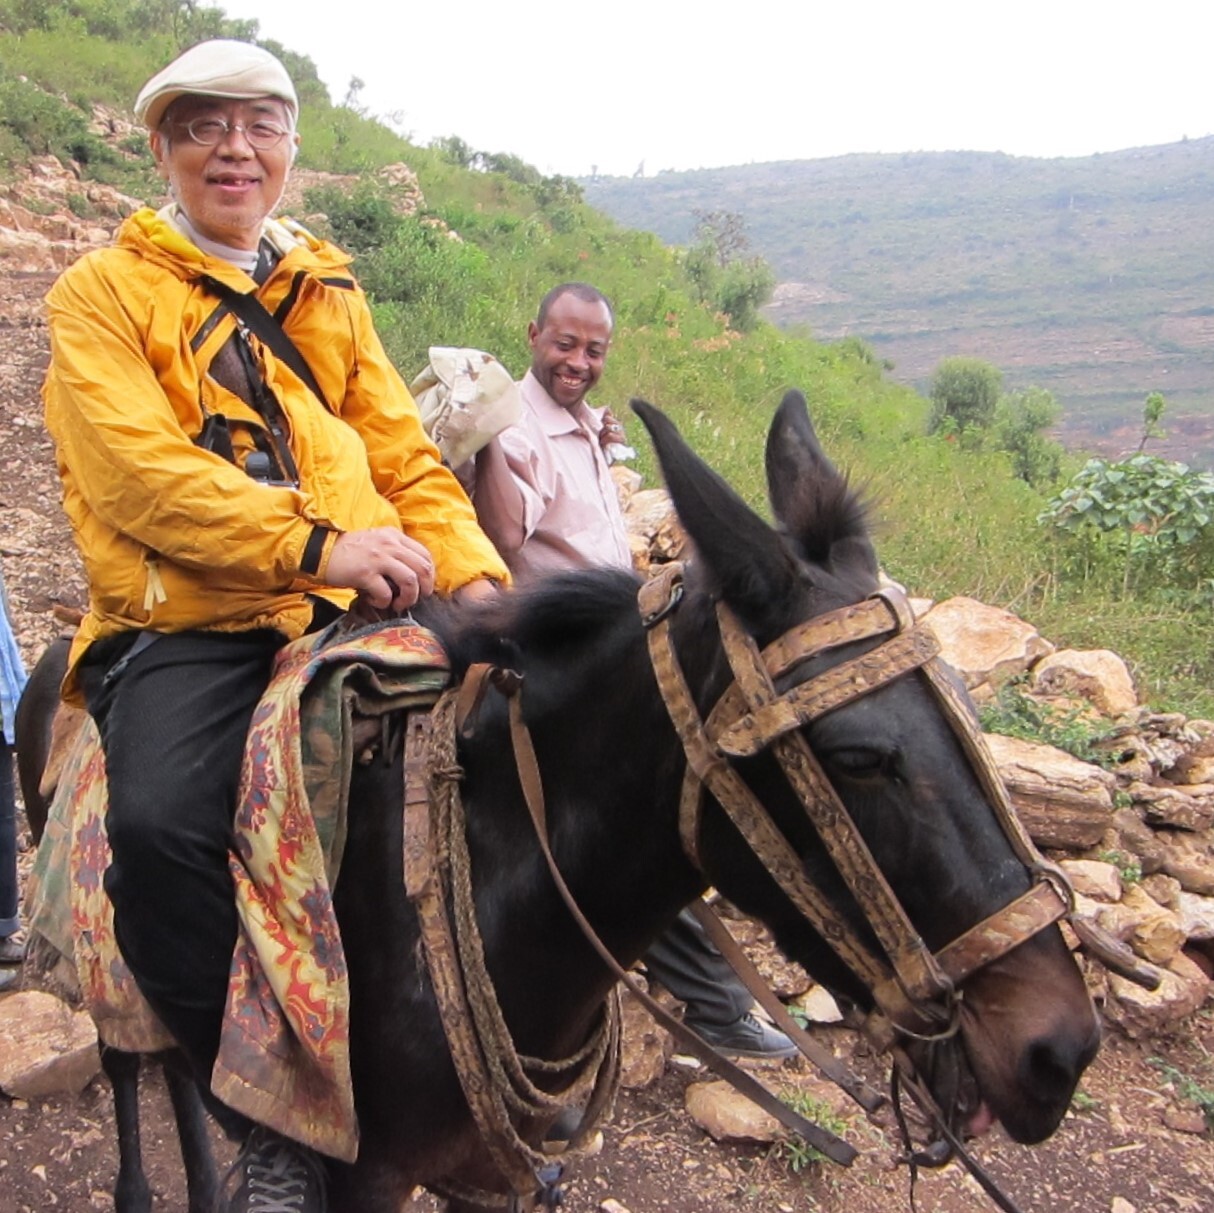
{"x": 841, "y": 511}
{"x": 565, "y": 613}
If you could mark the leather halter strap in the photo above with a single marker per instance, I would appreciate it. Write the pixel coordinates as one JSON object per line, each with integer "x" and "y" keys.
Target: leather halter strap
{"x": 915, "y": 991}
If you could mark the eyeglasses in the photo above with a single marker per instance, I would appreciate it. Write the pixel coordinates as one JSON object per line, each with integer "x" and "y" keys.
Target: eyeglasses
{"x": 210, "y": 132}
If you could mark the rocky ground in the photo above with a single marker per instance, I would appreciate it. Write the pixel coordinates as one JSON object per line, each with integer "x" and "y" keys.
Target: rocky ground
{"x": 1135, "y": 1141}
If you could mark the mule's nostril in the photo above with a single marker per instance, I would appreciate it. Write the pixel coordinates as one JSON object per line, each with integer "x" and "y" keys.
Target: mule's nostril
{"x": 1052, "y": 1067}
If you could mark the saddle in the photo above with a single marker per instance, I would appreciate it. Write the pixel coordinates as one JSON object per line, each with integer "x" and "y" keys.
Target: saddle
{"x": 284, "y": 1051}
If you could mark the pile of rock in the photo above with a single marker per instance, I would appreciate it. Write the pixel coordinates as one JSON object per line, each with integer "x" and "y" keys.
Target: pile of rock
{"x": 48, "y": 217}
{"x": 1135, "y": 831}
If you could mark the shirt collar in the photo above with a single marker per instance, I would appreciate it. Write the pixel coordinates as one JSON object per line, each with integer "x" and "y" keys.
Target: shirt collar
{"x": 552, "y": 418}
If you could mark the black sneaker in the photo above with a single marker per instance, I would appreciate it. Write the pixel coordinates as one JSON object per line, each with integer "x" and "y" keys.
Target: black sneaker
{"x": 746, "y": 1036}
{"x": 273, "y": 1174}
{"x": 12, "y": 948}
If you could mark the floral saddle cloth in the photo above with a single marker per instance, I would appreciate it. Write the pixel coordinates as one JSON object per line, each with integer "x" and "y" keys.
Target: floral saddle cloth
{"x": 284, "y": 1052}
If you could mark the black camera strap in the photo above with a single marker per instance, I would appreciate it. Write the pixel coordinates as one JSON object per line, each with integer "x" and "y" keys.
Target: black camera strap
{"x": 262, "y": 324}
{"x": 267, "y": 407}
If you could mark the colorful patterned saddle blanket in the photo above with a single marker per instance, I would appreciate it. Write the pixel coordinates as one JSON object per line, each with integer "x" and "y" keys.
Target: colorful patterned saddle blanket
{"x": 284, "y": 1052}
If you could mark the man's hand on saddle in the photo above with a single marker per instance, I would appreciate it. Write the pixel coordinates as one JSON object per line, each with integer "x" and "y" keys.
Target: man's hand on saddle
{"x": 389, "y": 570}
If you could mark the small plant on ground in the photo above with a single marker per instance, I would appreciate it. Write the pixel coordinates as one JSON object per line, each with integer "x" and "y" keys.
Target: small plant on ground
{"x": 1127, "y": 865}
{"x": 797, "y": 1153}
{"x": 1015, "y": 713}
{"x": 1188, "y": 1088}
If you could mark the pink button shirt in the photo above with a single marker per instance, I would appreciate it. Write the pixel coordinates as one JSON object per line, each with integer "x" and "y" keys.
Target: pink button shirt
{"x": 544, "y": 494}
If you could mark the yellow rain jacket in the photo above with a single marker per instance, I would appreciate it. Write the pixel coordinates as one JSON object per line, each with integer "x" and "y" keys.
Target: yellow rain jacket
{"x": 175, "y": 537}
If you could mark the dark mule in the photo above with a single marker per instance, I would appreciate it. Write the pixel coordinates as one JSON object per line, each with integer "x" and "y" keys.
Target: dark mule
{"x": 612, "y": 768}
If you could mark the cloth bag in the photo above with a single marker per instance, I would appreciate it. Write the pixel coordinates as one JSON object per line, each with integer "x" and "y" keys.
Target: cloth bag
{"x": 466, "y": 398}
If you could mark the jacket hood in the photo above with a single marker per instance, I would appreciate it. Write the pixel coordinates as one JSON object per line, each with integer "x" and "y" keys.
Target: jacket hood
{"x": 155, "y": 236}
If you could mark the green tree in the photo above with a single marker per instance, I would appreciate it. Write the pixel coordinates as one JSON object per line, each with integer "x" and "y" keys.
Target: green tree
{"x": 1021, "y": 421}
{"x": 744, "y": 288}
{"x": 455, "y": 151}
{"x": 1152, "y": 412}
{"x": 724, "y": 277}
{"x": 964, "y": 395}
{"x": 723, "y": 233}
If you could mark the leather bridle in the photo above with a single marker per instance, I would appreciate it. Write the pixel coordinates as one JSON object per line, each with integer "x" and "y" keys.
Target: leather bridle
{"x": 914, "y": 989}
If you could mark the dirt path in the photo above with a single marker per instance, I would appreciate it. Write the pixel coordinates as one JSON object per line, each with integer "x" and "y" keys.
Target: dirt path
{"x": 1113, "y": 1154}
{"x": 1127, "y": 1147}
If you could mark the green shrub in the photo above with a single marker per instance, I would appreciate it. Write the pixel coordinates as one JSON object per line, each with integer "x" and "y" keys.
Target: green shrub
{"x": 38, "y": 122}
{"x": 1152, "y": 517}
{"x": 360, "y": 219}
{"x": 1014, "y": 713}
{"x": 797, "y": 1153}
{"x": 434, "y": 291}
{"x": 964, "y": 391}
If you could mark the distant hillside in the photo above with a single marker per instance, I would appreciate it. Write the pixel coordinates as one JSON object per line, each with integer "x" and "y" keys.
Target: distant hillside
{"x": 1091, "y": 277}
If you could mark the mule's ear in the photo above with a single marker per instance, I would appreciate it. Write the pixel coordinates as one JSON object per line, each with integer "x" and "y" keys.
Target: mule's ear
{"x": 751, "y": 565}
{"x": 809, "y": 496}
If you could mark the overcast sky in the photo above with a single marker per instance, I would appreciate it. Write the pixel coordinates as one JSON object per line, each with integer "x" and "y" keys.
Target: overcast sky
{"x": 676, "y": 85}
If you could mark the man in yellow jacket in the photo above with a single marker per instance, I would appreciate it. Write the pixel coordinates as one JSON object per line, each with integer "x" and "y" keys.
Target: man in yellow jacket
{"x": 229, "y": 490}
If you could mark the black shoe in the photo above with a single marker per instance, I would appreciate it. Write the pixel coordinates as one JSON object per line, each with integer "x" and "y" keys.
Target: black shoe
{"x": 12, "y": 949}
{"x": 746, "y": 1036}
{"x": 10, "y": 980}
{"x": 273, "y": 1174}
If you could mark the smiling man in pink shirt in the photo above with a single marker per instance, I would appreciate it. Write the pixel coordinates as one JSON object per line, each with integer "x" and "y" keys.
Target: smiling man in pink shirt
{"x": 544, "y": 494}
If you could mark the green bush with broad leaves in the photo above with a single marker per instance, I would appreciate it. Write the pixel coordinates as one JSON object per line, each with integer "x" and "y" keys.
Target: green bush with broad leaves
{"x": 1150, "y": 519}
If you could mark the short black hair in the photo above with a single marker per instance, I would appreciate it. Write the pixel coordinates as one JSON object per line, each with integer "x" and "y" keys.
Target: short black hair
{"x": 579, "y": 290}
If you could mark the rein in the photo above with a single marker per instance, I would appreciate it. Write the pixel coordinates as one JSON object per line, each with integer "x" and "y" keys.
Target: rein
{"x": 492, "y": 1074}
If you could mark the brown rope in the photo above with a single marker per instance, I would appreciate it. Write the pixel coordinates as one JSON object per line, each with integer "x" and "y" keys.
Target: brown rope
{"x": 493, "y": 1075}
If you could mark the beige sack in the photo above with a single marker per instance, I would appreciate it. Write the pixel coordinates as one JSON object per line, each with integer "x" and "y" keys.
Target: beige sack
{"x": 466, "y": 397}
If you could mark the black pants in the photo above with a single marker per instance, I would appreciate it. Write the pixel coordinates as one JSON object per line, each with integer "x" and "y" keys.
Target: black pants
{"x": 173, "y": 720}
{"x": 689, "y": 965}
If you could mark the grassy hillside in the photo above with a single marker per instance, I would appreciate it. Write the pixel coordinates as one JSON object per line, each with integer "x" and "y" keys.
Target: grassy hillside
{"x": 1089, "y": 276}
{"x": 950, "y": 520}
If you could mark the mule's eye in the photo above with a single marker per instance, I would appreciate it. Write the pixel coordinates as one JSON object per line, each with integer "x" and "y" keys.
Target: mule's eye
{"x": 857, "y": 762}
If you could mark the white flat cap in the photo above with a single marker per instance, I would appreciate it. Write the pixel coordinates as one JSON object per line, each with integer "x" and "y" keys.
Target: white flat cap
{"x": 221, "y": 67}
